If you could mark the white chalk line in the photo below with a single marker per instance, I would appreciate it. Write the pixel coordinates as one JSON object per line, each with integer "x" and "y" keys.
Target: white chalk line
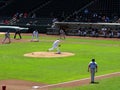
{"x": 40, "y": 87}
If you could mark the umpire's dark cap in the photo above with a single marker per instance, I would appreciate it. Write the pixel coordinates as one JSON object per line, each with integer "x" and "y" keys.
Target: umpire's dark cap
{"x": 93, "y": 60}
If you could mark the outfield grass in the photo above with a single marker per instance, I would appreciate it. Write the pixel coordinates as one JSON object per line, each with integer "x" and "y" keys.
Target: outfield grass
{"x": 55, "y": 70}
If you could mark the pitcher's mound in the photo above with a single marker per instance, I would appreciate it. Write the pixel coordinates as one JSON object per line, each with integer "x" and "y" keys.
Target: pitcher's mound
{"x": 48, "y": 54}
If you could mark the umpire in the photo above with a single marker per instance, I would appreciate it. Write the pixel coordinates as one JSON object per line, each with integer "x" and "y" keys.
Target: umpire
{"x": 17, "y": 32}
{"x": 92, "y": 67}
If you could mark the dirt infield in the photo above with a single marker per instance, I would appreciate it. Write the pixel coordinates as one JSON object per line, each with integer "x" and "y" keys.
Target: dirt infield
{"x": 48, "y": 54}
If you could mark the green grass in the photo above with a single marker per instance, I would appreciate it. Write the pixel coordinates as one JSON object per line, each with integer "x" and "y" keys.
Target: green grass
{"x": 104, "y": 84}
{"x": 13, "y": 65}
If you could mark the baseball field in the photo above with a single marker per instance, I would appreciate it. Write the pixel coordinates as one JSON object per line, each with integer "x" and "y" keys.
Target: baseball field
{"x": 15, "y": 67}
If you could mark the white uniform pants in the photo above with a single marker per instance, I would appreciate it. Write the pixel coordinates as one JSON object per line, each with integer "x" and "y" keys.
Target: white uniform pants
{"x": 54, "y": 47}
{"x": 92, "y": 71}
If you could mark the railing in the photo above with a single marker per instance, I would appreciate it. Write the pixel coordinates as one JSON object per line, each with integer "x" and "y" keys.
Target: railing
{"x": 41, "y": 6}
{"x": 78, "y": 11}
{"x": 4, "y": 3}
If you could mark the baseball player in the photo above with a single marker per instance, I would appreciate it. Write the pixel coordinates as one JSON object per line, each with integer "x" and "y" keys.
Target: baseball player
{"x": 62, "y": 33}
{"x": 55, "y": 45}
{"x": 35, "y": 35}
{"x": 7, "y": 36}
{"x": 92, "y": 67}
{"x": 17, "y": 32}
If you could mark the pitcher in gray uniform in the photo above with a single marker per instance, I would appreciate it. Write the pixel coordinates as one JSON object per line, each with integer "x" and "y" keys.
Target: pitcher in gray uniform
{"x": 92, "y": 67}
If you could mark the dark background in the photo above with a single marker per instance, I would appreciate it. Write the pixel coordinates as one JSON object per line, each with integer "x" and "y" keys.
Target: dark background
{"x": 56, "y": 7}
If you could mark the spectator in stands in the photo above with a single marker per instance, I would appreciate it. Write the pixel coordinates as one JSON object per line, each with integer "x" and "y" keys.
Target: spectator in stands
{"x": 25, "y": 15}
{"x": 118, "y": 33}
{"x": 96, "y": 32}
{"x": 84, "y": 31}
{"x": 107, "y": 19}
{"x": 35, "y": 22}
{"x": 33, "y": 15}
{"x": 16, "y": 15}
{"x": 86, "y": 11}
{"x": 104, "y": 31}
{"x": 86, "y": 14}
{"x": 6, "y": 21}
{"x": 55, "y": 20}
{"x": 94, "y": 17}
{"x": 93, "y": 33}
{"x": 76, "y": 19}
{"x": 53, "y": 25}
{"x": 20, "y": 15}
{"x": 29, "y": 23}
{"x": 110, "y": 33}
{"x": 79, "y": 32}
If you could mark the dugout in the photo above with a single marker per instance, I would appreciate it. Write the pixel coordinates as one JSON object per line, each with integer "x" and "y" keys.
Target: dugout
{"x": 72, "y": 28}
{"x": 24, "y": 28}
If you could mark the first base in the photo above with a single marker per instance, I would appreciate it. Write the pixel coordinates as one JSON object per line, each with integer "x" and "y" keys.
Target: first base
{"x": 35, "y": 87}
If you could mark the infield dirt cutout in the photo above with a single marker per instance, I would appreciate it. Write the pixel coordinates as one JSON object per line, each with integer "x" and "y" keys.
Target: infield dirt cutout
{"x": 48, "y": 54}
